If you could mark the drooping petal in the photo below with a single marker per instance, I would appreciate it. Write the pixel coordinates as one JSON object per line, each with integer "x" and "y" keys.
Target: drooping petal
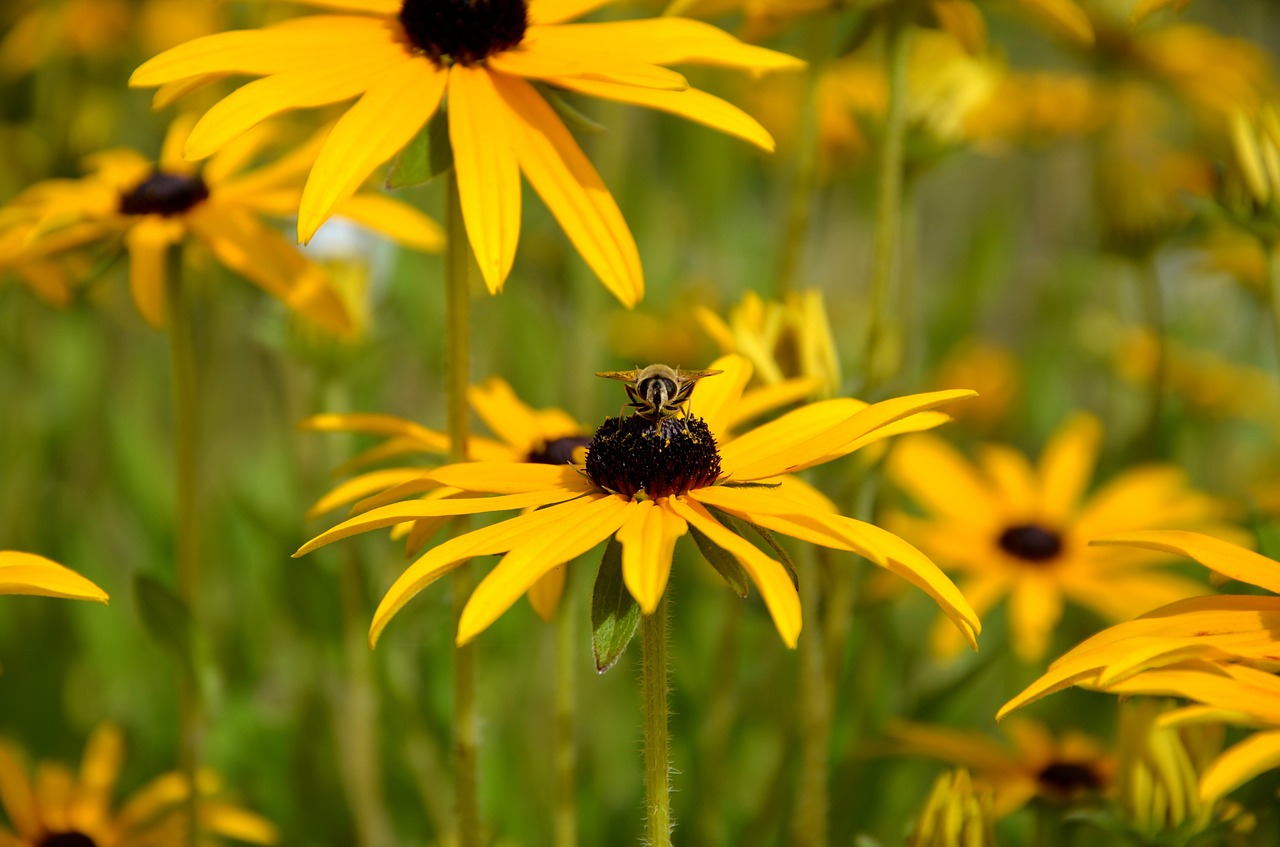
{"x": 1230, "y": 560}
{"x": 544, "y": 595}
{"x": 1066, "y": 466}
{"x": 438, "y": 561}
{"x": 487, "y": 171}
{"x": 691, "y": 104}
{"x": 27, "y": 573}
{"x": 567, "y": 182}
{"x": 362, "y": 486}
{"x": 373, "y": 130}
{"x": 511, "y": 477}
{"x": 1255, "y": 755}
{"x": 592, "y": 522}
{"x": 557, "y": 11}
{"x": 149, "y": 241}
{"x": 376, "y": 424}
{"x": 770, "y": 577}
{"x": 398, "y": 221}
{"x": 664, "y": 41}
{"x": 169, "y": 93}
{"x": 531, "y": 62}
{"x": 774, "y": 448}
{"x": 648, "y": 541}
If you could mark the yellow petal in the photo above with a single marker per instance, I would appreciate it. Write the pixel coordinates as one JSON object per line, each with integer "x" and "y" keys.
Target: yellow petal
{"x": 488, "y": 174}
{"x": 511, "y": 477}
{"x": 940, "y": 479}
{"x": 375, "y": 424}
{"x": 99, "y": 768}
{"x": 398, "y": 221}
{"x": 773, "y": 449}
{"x": 17, "y": 797}
{"x": 761, "y": 400}
{"x": 169, "y": 93}
{"x": 556, "y": 11}
{"x": 362, "y": 486}
{"x": 1065, "y": 16}
{"x": 663, "y": 41}
{"x": 375, "y": 7}
{"x": 436, "y": 562}
{"x": 692, "y": 104}
{"x": 544, "y": 595}
{"x": 572, "y": 190}
{"x": 1255, "y": 755}
{"x": 1012, "y": 477}
{"x": 531, "y": 62}
{"x": 149, "y": 241}
{"x": 175, "y": 138}
{"x": 231, "y": 821}
{"x": 715, "y": 399}
{"x": 1066, "y": 466}
{"x": 593, "y": 521}
{"x": 964, "y": 21}
{"x": 770, "y": 577}
{"x": 1230, "y": 560}
{"x": 966, "y": 749}
{"x": 1035, "y": 607}
{"x": 380, "y": 123}
{"x": 504, "y": 413}
{"x": 648, "y": 541}
{"x": 27, "y": 573}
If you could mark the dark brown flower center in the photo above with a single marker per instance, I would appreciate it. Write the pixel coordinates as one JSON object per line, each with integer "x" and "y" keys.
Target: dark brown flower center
{"x": 1031, "y": 543}
{"x": 559, "y": 451}
{"x": 464, "y": 31}
{"x": 164, "y": 194}
{"x": 66, "y": 839}
{"x": 1069, "y": 779}
{"x": 671, "y": 456}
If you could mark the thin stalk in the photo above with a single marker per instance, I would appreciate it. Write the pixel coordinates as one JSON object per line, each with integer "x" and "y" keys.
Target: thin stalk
{"x": 812, "y": 789}
{"x": 887, "y": 247}
{"x": 1153, "y": 306}
{"x": 566, "y": 744}
{"x": 1273, "y": 289}
{"x": 657, "y": 744}
{"x": 717, "y": 726}
{"x": 800, "y": 203}
{"x": 186, "y": 464}
{"x": 457, "y": 266}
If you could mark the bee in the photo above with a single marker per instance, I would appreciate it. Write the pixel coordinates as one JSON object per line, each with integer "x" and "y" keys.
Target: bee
{"x": 657, "y": 392}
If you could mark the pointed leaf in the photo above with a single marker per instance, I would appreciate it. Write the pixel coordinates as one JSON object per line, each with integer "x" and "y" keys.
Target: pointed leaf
{"x": 425, "y": 157}
{"x": 165, "y": 618}
{"x": 724, "y": 563}
{"x": 615, "y": 614}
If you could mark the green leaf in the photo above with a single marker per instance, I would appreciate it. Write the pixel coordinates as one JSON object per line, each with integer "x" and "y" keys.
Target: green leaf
{"x": 165, "y": 618}
{"x": 722, "y": 560}
{"x": 570, "y": 115}
{"x": 615, "y": 614}
{"x": 425, "y": 157}
{"x": 735, "y": 523}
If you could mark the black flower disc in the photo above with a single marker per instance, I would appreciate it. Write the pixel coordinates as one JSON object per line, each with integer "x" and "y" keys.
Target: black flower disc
{"x": 671, "y": 456}
{"x": 164, "y": 194}
{"x": 464, "y": 31}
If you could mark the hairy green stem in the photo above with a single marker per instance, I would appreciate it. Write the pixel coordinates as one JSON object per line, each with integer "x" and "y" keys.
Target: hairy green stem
{"x": 657, "y": 753}
{"x": 457, "y": 266}
{"x": 812, "y": 789}
{"x": 566, "y": 744}
{"x": 186, "y": 465}
{"x": 887, "y": 246}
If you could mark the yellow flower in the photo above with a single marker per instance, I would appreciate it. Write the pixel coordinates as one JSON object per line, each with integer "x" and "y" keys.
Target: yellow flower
{"x": 781, "y": 338}
{"x": 27, "y": 573}
{"x": 1020, "y": 531}
{"x": 405, "y": 58}
{"x": 647, "y": 483}
{"x": 1065, "y": 770}
{"x": 958, "y": 813}
{"x": 63, "y": 809}
{"x": 993, "y": 371}
{"x": 155, "y": 207}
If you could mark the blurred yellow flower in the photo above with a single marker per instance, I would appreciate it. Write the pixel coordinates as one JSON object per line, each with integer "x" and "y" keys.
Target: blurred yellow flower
{"x": 155, "y": 207}
{"x": 62, "y": 809}
{"x": 647, "y": 483}
{"x": 27, "y": 573}
{"x": 781, "y": 338}
{"x": 403, "y": 56}
{"x": 1073, "y": 769}
{"x": 958, "y": 813}
{"x": 992, "y": 370}
{"x": 1011, "y": 529}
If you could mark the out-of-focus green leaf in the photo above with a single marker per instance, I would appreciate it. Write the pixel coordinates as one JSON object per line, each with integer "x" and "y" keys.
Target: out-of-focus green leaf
{"x": 615, "y": 615}
{"x": 425, "y": 157}
{"x": 165, "y": 617}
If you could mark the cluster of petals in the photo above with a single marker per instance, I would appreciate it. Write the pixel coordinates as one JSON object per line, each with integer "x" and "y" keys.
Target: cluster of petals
{"x": 499, "y": 124}
{"x": 1219, "y": 651}
{"x": 572, "y": 515}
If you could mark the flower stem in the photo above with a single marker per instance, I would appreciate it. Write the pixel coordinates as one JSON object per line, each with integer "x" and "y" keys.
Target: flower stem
{"x": 1153, "y": 305}
{"x": 457, "y": 265}
{"x": 566, "y": 753}
{"x": 657, "y": 756}
{"x": 1272, "y": 251}
{"x": 888, "y": 226}
{"x": 810, "y": 828}
{"x": 186, "y": 465}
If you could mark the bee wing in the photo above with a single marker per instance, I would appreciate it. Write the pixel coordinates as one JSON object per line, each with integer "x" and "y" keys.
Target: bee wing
{"x": 625, "y": 376}
{"x": 692, "y": 375}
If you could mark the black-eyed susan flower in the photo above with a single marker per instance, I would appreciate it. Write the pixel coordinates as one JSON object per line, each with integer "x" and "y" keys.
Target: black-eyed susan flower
{"x": 1070, "y": 769}
{"x": 27, "y": 573}
{"x": 958, "y": 813}
{"x": 1020, "y": 532}
{"x": 646, "y": 483}
{"x": 404, "y": 58}
{"x": 61, "y": 808}
{"x": 156, "y": 206}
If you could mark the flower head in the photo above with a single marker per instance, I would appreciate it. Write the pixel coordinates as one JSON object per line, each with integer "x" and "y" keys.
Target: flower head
{"x": 1023, "y": 532}
{"x": 63, "y": 809}
{"x": 404, "y": 58}
{"x": 958, "y": 813}
{"x": 156, "y": 206}
{"x": 654, "y": 482}
{"x": 27, "y": 573}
